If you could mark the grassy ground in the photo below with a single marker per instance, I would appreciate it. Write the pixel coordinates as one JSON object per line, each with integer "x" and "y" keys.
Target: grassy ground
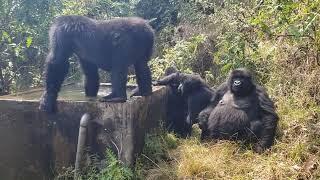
{"x": 295, "y": 154}
{"x": 291, "y": 157}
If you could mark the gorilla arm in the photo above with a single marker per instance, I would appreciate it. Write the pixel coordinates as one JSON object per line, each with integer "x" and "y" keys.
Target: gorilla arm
{"x": 204, "y": 114}
{"x": 171, "y": 79}
{"x": 269, "y": 120}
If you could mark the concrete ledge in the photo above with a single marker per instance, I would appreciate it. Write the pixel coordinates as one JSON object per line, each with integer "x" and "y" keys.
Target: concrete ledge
{"x": 36, "y": 145}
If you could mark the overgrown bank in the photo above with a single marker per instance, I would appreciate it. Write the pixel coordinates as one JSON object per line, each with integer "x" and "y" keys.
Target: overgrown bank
{"x": 278, "y": 40}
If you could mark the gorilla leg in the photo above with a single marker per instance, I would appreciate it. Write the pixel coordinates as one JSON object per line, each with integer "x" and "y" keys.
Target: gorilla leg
{"x": 119, "y": 81}
{"x": 268, "y": 130}
{"x": 191, "y": 115}
{"x": 194, "y": 107}
{"x": 188, "y": 125}
{"x": 255, "y": 129}
{"x": 204, "y": 115}
{"x": 91, "y": 78}
{"x": 56, "y": 69}
{"x": 203, "y": 118}
{"x": 143, "y": 75}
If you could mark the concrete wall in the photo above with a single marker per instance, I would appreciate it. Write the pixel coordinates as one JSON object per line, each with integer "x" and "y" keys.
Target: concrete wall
{"x": 36, "y": 146}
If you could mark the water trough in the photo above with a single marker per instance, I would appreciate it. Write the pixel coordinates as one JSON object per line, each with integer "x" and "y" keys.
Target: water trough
{"x": 35, "y": 145}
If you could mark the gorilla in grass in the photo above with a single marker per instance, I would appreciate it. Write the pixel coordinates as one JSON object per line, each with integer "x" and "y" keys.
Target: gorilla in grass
{"x": 194, "y": 96}
{"x": 240, "y": 110}
{"x": 111, "y": 45}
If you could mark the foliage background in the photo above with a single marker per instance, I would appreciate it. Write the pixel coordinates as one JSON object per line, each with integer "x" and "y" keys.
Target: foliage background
{"x": 279, "y": 40}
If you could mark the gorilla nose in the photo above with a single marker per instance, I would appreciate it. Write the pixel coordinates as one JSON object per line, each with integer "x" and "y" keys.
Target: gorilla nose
{"x": 237, "y": 83}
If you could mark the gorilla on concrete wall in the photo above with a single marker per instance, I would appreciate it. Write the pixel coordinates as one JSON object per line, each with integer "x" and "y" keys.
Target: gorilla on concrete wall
{"x": 195, "y": 94}
{"x": 111, "y": 45}
{"x": 240, "y": 109}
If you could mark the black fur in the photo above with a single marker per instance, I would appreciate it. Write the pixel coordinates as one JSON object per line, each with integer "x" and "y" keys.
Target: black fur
{"x": 195, "y": 95}
{"x": 111, "y": 45}
{"x": 176, "y": 108}
{"x": 240, "y": 109}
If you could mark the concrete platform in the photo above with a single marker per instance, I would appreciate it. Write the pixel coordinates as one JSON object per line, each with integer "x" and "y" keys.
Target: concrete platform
{"x": 35, "y": 145}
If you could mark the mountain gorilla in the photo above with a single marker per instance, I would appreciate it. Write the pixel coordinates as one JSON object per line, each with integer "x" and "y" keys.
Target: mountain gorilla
{"x": 111, "y": 45}
{"x": 240, "y": 109}
{"x": 195, "y": 94}
{"x": 176, "y": 107}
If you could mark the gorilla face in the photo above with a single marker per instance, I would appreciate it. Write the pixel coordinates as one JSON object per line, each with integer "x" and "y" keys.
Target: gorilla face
{"x": 240, "y": 82}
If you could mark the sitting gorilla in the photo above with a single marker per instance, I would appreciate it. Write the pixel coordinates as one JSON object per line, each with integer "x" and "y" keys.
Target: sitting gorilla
{"x": 111, "y": 45}
{"x": 195, "y": 93}
{"x": 240, "y": 109}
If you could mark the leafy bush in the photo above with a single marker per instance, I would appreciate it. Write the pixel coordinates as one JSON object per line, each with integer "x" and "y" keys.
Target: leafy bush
{"x": 114, "y": 169}
{"x": 155, "y": 153}
{"x": 182, "y": 56}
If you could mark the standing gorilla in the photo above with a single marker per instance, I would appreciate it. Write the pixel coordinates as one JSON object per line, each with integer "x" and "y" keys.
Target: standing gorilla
{"x": 196, "y": 95}
{"x": 111, "y": 45}
{"x": 176, "y": 107}
{"x": 240, "y": 109}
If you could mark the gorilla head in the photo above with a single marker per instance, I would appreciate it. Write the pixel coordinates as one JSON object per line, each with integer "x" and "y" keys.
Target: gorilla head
{"x": 240, "y": 82}
{"x": 240, "y": 109}
{"x": 190, "y": 83}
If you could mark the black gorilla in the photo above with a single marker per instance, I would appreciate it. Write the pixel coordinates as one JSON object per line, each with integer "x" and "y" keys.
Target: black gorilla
{"x": 194, "y": 96}
{"x": 111, "y": 45}
{"x": 176, "y": 107}
{"x": 240, "y": 109}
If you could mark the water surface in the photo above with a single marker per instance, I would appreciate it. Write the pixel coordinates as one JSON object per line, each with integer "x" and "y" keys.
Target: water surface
{"x": 68, "y": 92}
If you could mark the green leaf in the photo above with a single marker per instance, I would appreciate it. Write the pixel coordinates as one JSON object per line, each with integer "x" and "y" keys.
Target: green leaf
{"x": 29, "y": 41}
{"x": 295, "y": 31}
{"x": 226, "y": 68}
{"x": 6, "y": 35}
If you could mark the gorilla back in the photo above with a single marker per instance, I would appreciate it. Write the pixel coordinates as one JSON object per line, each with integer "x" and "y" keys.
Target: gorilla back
{"x": 111, "y": 45}
{"x": 99, "y": 41}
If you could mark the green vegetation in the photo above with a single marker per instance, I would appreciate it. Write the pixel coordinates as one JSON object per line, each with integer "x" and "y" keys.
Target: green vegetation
{"x": 278, "y": 39}
{"x": 113, "y": 169}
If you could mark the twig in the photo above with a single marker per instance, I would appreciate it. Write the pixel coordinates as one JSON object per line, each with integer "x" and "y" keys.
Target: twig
{"x": 151, "y": 161}
{"x": 116, "y": 148}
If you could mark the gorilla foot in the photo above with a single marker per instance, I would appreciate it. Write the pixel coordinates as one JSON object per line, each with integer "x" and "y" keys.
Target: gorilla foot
{"x": 48, "y": 103}
{"x": 137, "y": 92}
{"x": 113, "y": 98}
{"x": 258, "y": 148}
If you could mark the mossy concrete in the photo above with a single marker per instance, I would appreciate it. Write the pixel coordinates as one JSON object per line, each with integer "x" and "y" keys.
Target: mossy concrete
{"x": 35, "y": 145}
